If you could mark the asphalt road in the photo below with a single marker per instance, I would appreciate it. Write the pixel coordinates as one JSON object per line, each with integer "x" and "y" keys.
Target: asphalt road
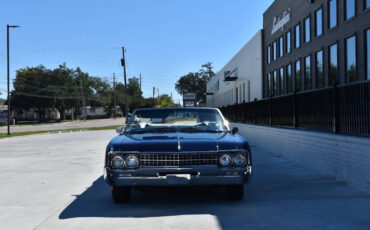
{"x": 65, "y": 125}
{"x": 55, "y": 181}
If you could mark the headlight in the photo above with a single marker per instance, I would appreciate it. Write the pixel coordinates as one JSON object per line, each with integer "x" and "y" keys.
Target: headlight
{"x": 225, "y": 160}
{"x": 132, "y": 161}
{"x": 117, "y": 162}
{"x": 239, "y": 160}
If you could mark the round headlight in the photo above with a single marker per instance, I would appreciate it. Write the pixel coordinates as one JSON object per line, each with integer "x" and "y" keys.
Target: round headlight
{"x": 239, "y": 160}
{"x": 117, "y": 162}
{"x": 225, "y": 160}
{"x": 132, "y": 161}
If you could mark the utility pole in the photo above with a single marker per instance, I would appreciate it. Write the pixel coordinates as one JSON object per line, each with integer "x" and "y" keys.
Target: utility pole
{"x": 140, "y": 82}
{"x": 83, "y": 98}
{"x": 8, "y": 70}
{"x": 153, "y": 92}
{"x": 123, "y": 63}
{"x": 114, "y": 96}
{"x": 158, "y": 92}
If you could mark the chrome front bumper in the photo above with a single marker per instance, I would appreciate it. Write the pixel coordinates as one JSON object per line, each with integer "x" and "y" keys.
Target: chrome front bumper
{"x": 177, "y": 176}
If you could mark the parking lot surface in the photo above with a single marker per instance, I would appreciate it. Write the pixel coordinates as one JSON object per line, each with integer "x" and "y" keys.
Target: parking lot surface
{"x": 54, "y": 181}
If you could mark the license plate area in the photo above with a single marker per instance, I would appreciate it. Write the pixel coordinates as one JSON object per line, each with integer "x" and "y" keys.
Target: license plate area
{"x": 178, "y": 179}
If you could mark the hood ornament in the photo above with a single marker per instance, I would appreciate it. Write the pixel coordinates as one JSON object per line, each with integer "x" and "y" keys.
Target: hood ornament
{"x": 178, "y": 143}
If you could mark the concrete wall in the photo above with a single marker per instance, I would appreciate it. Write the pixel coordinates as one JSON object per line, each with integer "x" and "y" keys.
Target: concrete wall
{"x": 248, "y": 62}
{"x": 346, "y": 158}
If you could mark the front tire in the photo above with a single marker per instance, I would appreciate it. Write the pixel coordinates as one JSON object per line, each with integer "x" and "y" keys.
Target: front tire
{"x": 121, "y": 194}
{"x": 235, "y": 192}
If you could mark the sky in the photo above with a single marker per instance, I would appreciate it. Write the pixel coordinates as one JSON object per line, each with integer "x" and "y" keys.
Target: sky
{"x": 164, "y": 39}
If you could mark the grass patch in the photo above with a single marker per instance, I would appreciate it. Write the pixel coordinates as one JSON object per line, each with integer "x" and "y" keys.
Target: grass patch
{"x": 17, "y": 134}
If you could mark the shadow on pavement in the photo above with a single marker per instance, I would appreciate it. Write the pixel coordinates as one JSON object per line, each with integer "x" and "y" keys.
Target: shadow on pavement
{"x": 281, "y": 195}
{"x": 96, "y": 201}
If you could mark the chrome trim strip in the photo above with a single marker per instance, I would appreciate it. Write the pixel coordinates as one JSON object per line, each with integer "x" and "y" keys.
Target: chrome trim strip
{"x": 187, "y": 152}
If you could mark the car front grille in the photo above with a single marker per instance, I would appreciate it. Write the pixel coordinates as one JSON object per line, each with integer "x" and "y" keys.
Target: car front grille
{"x": 177, "y": 160}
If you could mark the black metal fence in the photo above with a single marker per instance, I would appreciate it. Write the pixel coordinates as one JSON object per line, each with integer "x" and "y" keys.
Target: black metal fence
{"x": 340, "y": 109}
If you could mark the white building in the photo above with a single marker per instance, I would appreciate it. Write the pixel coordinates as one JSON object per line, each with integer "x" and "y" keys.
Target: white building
{"x": 240, "y": 79}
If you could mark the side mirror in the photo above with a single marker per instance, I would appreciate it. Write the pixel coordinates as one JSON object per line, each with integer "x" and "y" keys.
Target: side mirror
{"x": 234, "y": 131}
{"x": 119, "y": 130}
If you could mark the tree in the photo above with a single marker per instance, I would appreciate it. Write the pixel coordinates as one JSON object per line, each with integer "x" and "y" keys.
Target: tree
{"x": 43, "y": 89}
{"x": 196, "y": 82}
{"x": 65, "y": 89}
{"x": 151, "y": 102}
{"x": 31, "y": 90}
{"x": 135, "y": 98}
{"x": 165, "y": 101}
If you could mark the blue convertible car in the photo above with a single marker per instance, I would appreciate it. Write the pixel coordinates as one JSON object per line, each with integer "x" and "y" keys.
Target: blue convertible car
{"x": 177, "y": 147}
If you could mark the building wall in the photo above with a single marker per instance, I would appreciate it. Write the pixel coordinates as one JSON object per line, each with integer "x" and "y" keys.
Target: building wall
{"x": 300, "y": 10}
{"x": 248, "y": 61}
{"x": 344, "y": 157}
{"x": 97, "y": 112}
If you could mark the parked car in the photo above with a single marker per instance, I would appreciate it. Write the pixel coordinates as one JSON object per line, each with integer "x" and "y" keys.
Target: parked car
{"x": 177, "y": 147}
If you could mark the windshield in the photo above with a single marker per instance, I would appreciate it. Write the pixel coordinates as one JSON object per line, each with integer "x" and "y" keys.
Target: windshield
{"x": 176, "y": 120}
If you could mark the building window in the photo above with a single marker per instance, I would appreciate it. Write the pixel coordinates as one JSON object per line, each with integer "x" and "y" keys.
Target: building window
{"x": 350, "y": 9}
{"x": 288, "y": 42}
{"x": 298, "y": 76}
{"x": 307, "y": 30}
{"x": 332, "y": 13}
{"x": 268, "y": 85}
{"x": 274, "y": 50}
{"x": 275, "y": 84}
{"x": 333, "y": 59}
{"x": 268, "y": 54}
{"x": 307, "y": 73}
{"x": 289, "y": 78}
{"x": 351, "y": 59}
{"x": 318, "y": 20}
{"x": 367, "y": 4}
{"x": 281, "y": 82}
{"x": 368, "y": 51}
{"x": 281, "y": 46}
{"x": 319, "y": 69}
{"x": 297, "y": 36}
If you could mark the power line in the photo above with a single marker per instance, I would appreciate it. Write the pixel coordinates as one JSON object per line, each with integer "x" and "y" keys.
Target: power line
{"x": 68, "y": 50}
{"x": 61, "y": 97}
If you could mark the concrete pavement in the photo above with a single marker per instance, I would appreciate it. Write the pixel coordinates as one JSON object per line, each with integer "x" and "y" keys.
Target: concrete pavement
{"x": 54, "y": 182}
{"x": 65, "y": 125}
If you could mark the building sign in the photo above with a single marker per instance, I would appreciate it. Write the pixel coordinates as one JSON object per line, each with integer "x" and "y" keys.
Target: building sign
{"x": 189, "y": 104}
{"x": 3, "y": 117}
{"x": 280, "y": 22}
{"x": 189, "y": 99}
{"x": 189, "y": 96}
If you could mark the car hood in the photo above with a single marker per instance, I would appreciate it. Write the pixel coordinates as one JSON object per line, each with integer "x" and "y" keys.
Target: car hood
{"x": 177, "y": 142}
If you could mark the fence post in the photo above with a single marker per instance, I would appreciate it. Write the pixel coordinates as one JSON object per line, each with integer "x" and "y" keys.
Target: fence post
{"x": 270, "y": 111}
{"x": 243, "y": 114}
{"x": 295, "y": 115}
{"x": 254, "y": 111}
{"x": 335, "y": 109}
{"x": 235, "y": 109}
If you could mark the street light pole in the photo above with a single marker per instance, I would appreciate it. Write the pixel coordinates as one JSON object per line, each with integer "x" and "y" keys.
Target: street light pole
{"x": 8, "y": 70}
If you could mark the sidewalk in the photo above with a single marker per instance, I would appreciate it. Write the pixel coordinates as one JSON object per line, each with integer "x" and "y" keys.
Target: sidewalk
{"x": 65, "y": 125}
